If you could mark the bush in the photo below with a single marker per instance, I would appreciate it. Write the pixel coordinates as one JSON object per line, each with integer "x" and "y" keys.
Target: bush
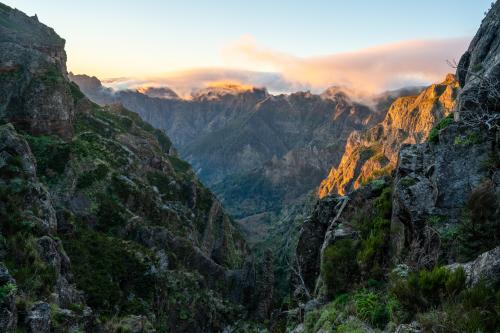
{"x": 321, "y": 319}
{"x": 6, "y": 290}
{"x": 110, "y": 272}
{"x": 90, "y": 177}
{"x": 427, "y": 288}
{"x": 370, "y": 307}
{"x": 339, "y": 268}
{"x": 374, "y": 226}
{"x": 479, "y": 230}
{"x": 434, "y": 133}
{"x": 473, "y": 310}
{"x": 52, "y": 154}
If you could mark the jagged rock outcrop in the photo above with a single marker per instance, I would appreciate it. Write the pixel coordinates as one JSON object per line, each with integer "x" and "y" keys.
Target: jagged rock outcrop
{"x": 438, "y": 181}
{"x": 374, "y": 153}
{"x": 35, "y": 95}
{"x": 479, "y": 68}
{"x": 333, "y": 219}
{"x": 312, "y": 236}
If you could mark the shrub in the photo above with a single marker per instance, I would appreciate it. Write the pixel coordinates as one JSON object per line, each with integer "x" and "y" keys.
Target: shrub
{"x": 374, "y": 226}
{"x": 339, "y": 268}
{"x": 427, "y": 288}
{"x": 469, "y": 139}
{"x": 6, "y": 290}
{"x": 371, "y": 308}
{"x": 479, "y": 230}
{"x": 179, "y": 165}
{"x": 89, "y": 177}
{"x": 434, "y": 133}
{"x": 34, "y": 277}
{"x": 473, "y": 310}
{"x": 75, "y": 92}
{"x": 51, "y": 153}
{"x": 109, "y": 271}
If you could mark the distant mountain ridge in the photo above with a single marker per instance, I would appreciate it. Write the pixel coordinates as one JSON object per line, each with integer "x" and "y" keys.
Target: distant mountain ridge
{"x": 258, "y": 151}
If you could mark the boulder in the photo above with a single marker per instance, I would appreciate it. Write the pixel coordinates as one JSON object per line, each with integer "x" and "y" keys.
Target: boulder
{"x": 484, "y": 267}
{"x": 38, "y": 318}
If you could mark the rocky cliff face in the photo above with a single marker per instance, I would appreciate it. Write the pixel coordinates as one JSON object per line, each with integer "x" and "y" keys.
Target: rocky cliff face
{"x": 373, "y": 153}
{"x": 103, "y": 227}
{"x": 398, "y": 242}
{"x": 35, "y": 94}
{"x": 443, "y": 183}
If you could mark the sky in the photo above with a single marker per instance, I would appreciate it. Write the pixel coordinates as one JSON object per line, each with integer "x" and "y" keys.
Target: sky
{"x": 285, "y": 45}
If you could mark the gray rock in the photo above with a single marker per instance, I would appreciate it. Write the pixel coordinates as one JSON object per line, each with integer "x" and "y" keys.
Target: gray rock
{"x": 35, "y": 93}
{"x": 299, "y": 329}
{"x": 480, "y": 61}
{"x": 413, "y": 327}
{"x": 484, "y": 267}
{"x": 435, "y": 180}
{"x": 38, "y": 318}
{"x": 36, "y": 202}
{"x": 135, "y": 324}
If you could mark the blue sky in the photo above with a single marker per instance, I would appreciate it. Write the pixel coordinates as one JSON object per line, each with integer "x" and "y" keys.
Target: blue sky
{"x": 143, "y": 38}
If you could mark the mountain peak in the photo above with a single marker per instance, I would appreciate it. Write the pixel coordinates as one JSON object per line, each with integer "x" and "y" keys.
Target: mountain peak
{"x": 216, "y": 90}
{"x": 335, "y": 92}
{"x": 158, "y": 92}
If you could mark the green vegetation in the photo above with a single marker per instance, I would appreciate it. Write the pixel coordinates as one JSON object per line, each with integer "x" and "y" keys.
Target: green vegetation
{"x": 408, "y": 181}
{"x": 470, "y": 139}
{"x": 349, "y": 262}
{"x": 51, "y": 78}
{"x": 87, "y": 178}
{"x": 479, "y": 229}
{"x": 339, "y": 268}
{"x": 34, "y": 277}
{"x": 370, "y": 307}
{"x": 179, "y": 165}
{"x": 75, "y": 92}
{"x": 112, "y": 272}
{"x": 51, "y": 153}
{"x": 439, "y": 300}
{"x": 426, "y": 289}
{"x": 434, "y": 133}
{"x": 7, "y": 290}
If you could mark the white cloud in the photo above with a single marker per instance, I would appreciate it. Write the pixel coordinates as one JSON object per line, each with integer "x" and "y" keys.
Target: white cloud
{"x": 373, "y": 69}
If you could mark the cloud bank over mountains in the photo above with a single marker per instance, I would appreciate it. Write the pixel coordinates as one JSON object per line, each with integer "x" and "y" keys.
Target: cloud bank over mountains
{"x": 370, "y": 70}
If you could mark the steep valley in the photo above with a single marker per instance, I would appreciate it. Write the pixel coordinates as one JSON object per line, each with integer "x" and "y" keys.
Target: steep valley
{"x": 238, "y": 210}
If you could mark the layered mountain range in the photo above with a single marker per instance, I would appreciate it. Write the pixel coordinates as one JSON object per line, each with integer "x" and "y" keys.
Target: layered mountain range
{"x": 105, "y": 228}
{"x": 257, "y": 151}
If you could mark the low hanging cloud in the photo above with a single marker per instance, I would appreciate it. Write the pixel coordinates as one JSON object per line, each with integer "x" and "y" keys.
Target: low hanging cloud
{"x": 366, "y": 71}
{"x": 186, "y": 82}
{"x": 374, "y": 69}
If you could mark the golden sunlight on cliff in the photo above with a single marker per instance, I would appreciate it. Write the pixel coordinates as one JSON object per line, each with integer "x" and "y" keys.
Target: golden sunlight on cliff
{"x": 373, "y": 153}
